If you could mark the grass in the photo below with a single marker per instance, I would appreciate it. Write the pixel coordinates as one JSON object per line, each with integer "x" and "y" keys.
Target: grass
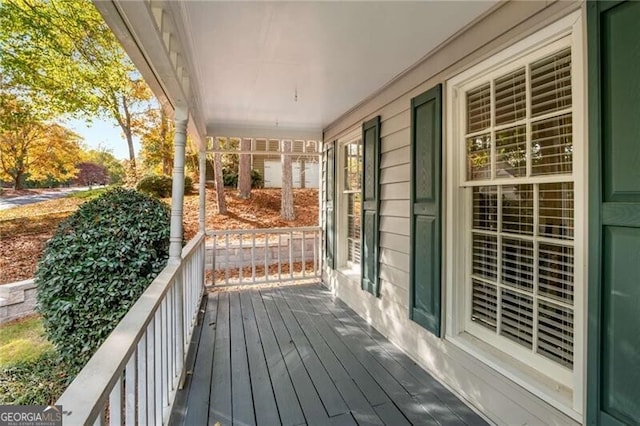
{"x": 22, "y": 340}
{"x": 89, "y": 194}
{"x": 30, "y": 369}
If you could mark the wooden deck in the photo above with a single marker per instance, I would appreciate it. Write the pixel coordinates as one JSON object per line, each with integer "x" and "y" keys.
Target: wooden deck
{"x": 295, "y": 356}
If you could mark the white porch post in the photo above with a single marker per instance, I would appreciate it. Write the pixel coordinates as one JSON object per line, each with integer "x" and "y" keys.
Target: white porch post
{"x": 202, "y": 195}
{"x": 175, "y": 241}
{"x": 177, "y": 194}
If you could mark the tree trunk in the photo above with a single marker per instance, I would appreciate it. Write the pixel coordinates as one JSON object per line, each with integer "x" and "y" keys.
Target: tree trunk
{"x": 244, "y": 170}
{"x": 217, "y": 172}
{"x": 286, "y": 203}
{"x": 303, "y": 172}
{"x": 17, "y": 184}
{"x": 132, "y": 154}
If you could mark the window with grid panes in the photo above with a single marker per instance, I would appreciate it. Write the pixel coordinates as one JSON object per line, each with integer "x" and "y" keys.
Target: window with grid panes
{"x": 352, "y": 192}
{"x": 519, "y": 176}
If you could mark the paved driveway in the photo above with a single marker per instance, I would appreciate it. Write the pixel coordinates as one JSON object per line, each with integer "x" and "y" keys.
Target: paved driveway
{"x": 7, "y": 203}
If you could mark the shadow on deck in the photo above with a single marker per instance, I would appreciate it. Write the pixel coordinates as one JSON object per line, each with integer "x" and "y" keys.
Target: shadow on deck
{"x": 294, "y": 355}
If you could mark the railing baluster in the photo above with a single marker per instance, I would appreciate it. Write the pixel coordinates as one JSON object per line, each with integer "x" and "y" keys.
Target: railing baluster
{"x": 291, "y": 254}
{"x": 115, "y": 403}
{"x": 151, "y": 384}
{"x": 142, "y": 380}
{"x": 226, "y": 250}
{"x": 266, "y": 256}
{"x": 172, "y": 335}
{"x": 240, "y": 258}
{"x": 316, "y": 258}
{"x": 165, "y": 353}
{"x": 130, "y": 390}
{"x": 279, "y": 257}
{"x": 157, "y": 338}
{"x": 253, "y": 257}
{"x": 304, "y": 258}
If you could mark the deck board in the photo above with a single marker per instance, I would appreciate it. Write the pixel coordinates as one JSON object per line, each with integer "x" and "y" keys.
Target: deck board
{"x": 295, "y": 356}
{"x": 220, "y": 408}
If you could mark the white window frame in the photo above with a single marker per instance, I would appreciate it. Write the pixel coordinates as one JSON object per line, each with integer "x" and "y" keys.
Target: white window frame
{"x": 352, "y": 269}
{"x": 557, "y": 385}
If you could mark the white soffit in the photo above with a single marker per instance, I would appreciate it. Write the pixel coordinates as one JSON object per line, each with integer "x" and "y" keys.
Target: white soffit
{"x": 251, "y": 58}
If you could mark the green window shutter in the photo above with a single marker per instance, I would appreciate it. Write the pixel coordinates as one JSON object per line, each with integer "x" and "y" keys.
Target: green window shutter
{"x": 613, "y": 371}
{"x": 370, "y": 205}
{"x": 426, "y": 168}
{"x": 329, "y": 202}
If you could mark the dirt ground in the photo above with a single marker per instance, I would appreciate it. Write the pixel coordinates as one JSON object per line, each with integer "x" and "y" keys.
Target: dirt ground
{"x": 24, "y": 233}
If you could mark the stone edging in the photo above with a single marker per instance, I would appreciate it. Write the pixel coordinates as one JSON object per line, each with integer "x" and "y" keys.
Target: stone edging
{"x": 17, "y": 300}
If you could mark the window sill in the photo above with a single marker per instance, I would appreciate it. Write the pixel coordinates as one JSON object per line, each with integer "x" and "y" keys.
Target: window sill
{"x": 555, "y": 394}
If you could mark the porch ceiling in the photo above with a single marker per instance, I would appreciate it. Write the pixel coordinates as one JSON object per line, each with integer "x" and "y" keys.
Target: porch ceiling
{"x": 250, "y": 59}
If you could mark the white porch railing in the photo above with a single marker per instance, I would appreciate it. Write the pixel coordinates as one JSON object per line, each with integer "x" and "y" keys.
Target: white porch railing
{"x": 255, "y": 256}
{"x": 133, "y": 377}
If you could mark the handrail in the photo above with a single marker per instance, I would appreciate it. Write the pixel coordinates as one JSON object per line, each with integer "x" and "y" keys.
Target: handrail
{"x": 262, "y": 230}
{"x": 116, "y": 367}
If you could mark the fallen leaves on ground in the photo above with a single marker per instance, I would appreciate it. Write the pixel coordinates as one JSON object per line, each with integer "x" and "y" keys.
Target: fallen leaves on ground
{"x": 25, "y": 230}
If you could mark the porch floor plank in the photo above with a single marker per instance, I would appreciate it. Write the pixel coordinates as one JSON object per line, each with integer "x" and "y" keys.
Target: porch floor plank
{"x": 220, "y": 406}
{"x": 293, "y": 356}
{"x": 266, "y": 409}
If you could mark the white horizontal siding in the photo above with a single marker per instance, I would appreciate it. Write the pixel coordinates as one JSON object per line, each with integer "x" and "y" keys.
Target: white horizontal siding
{"x": 395, "y": 158}
{"x": 394, "y": 174}
{"x": 394, "y": 225}
{"x": 396, "y": 258}
{"x": 394, "y": 242}
{"x": 396, "y": 140}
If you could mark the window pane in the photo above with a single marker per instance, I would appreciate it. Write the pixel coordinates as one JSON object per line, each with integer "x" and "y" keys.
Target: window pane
{"x": 353, "y": 227}
{"x": 555, "y": 333}
{"x": 353, "y": 166}
{"x": 510, "y": 97}
{"x": 479, "y": 157}
{"x": 485, "y": 208}
{"x": 517, "y": 263}
{"x": 511, "y": 151}
{"x": 516, "y": 320}
{"x": 555, "y": 272}
{"x": 484, "y": 304}
{"x": 552, "y": 146}
{"x": 556, "y": 210}
{"x": 551, "y": 83}
{"x": 479, "y": 108}
{"x": 517, "y": 209}
{"x": 485, "y": 256}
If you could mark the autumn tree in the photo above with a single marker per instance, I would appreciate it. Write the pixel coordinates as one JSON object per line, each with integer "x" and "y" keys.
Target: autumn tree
{"x": 105, "y": 158}
{"x": 32, "y": 148}
{"x": 156, "y": 133}
{"x": 90, "y": 174}
{"x": 286, "y": 200}
{"x": 64, "y": 54}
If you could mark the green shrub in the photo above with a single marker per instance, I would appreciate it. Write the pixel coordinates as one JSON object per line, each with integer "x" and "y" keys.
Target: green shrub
{"x": 188, "y": 185}
{"x": 256, "y": 179}
{"x": 40, "y": 381}
{"x": 96, "y": 266}
{"x": 230, "y": 178}
{"x": 157, "y": 186}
